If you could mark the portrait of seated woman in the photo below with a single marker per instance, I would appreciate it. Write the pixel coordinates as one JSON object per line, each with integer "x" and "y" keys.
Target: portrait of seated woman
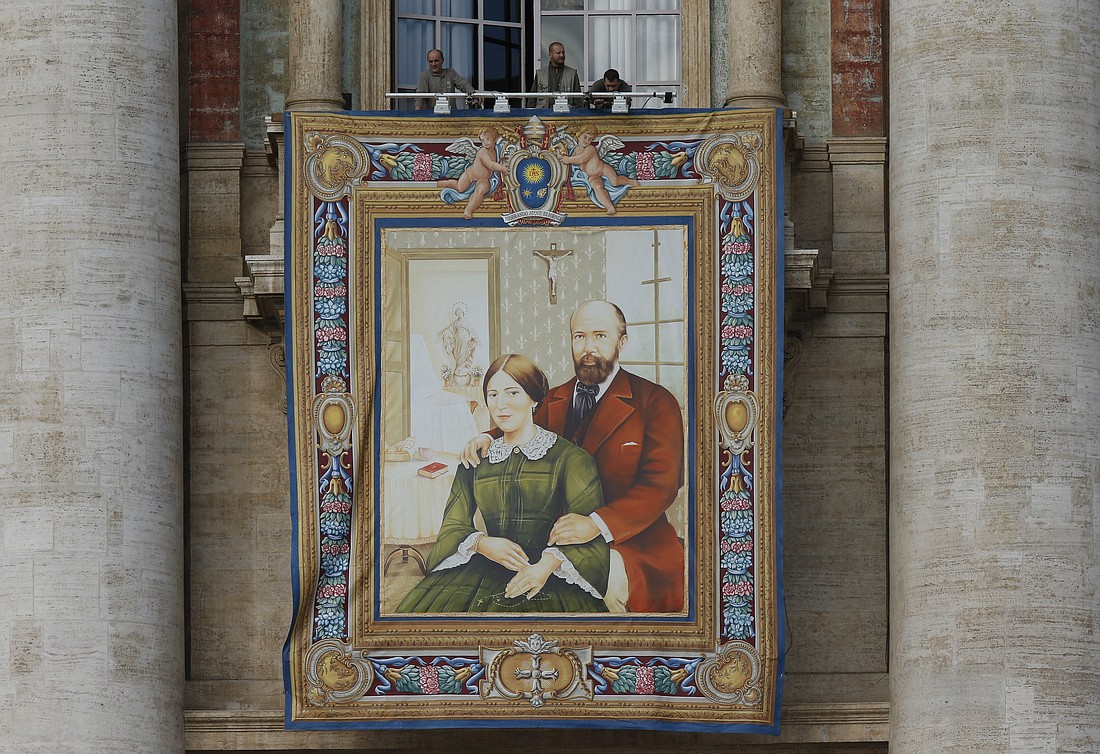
{"x": 532, "y": 478}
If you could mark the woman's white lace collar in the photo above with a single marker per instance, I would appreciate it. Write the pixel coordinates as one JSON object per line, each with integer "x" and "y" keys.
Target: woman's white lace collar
{"x": 534, "y": 449}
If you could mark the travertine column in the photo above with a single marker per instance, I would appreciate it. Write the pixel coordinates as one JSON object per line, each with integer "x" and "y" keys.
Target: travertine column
{"x": 91, "y": 566}
{"x": 315, "y": 55}
{"x": 995, "y": 389}
{"x": 90, "y": 389}
{"x": 755, "y": 54}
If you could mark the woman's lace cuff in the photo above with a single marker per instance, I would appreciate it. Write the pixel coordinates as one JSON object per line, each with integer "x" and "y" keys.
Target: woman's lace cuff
{"x": 567, "y": 571}
{"x": 465, "y": 552}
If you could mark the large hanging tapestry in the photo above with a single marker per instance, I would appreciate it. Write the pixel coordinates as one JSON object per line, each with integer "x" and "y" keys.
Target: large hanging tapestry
{"x": 534, "y": 378}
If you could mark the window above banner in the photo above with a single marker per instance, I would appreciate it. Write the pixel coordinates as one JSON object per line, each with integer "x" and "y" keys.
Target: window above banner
{"x": 501, "y": 45}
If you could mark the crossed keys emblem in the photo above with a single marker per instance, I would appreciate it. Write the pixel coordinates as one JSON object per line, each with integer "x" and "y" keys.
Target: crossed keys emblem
{"x": 536, "y": 670}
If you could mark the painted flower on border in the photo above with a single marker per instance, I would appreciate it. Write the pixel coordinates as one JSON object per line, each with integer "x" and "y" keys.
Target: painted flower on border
{"x": 422, "y": 167}
{"x": 329, "y": 623}
{"x": 330, "y": 308}
{"x": 736, "y": 267}
{"x": 735, "y": 359}
{"x": 332, "y": 362}
{"x": 738, "y": 622}
{"x": 329, "y": 270}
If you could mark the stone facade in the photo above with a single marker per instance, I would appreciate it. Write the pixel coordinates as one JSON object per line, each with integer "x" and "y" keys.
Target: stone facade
{"x": 941, "y": 459}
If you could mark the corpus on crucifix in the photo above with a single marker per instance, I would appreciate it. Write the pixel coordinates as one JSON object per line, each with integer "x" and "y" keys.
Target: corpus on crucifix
{"x": 552, "y": 256}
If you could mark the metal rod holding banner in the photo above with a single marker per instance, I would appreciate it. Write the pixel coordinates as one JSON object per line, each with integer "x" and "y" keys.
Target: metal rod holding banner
{"x": 619, "y": 104}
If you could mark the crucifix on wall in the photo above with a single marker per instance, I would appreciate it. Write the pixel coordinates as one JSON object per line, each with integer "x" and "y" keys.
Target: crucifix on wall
{"x": 552, "y": 256}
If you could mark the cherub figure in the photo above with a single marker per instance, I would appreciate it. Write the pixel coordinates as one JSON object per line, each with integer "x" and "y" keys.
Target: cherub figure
{"x": 588, "y": 156}
{"x": 484, "y": 164}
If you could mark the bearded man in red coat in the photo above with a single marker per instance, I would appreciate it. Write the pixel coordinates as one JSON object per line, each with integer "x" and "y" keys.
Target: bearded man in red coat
{"x": 634, "y": 430}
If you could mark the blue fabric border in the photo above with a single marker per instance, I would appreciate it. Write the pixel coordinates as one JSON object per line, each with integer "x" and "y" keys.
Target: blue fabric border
{"x": 605, "y": 724}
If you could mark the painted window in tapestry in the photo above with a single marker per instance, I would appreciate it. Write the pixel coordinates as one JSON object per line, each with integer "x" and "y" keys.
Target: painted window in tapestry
{"x": 483, "y": 40}
{"x": 649, "y": 286}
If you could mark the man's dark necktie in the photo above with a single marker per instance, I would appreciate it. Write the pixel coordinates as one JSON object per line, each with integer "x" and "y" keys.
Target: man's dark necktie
{"x": 585, "y": 400}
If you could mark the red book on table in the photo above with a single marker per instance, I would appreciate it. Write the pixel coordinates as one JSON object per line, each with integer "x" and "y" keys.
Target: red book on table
{"x": 432, "y": 470}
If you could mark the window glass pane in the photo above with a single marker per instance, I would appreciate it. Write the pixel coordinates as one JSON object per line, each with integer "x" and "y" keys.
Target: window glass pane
{"x": 609, "y": 46}
{"x": 629, "y": 262}
{"x": 458, "y": 8}
{"x": 642, "y": 370}
{"x": 671, "y": 302}
{"x": 657, "y": 4}
{"x": 671, "y": 344}
{"x": 568, "y": 30}
{"x": 562, "y": 5}
{"x": 459, "y": 45}
{"x": 611, "y": 5}
{"x": 659, "y": 36}
{"x": 672, "y": 253}
{"x": 641, "y": 345}
{"x": 503, "y": 59}
{"x": 674, "y": 378}
{"x": 502, "y": 10}
{"x": 424, "y": 7}
{"x": 414, "y": 39}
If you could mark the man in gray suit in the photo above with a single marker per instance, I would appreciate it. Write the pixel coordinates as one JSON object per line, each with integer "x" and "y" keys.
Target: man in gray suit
{"x": 555, "y": 77}
{"x": 440, "y": 80}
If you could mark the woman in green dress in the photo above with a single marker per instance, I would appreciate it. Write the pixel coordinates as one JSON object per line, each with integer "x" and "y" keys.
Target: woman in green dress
{"x": 532, "y": 478}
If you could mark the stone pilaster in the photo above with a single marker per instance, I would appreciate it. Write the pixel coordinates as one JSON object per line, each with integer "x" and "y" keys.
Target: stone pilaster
{"x": 374, "y": 62}
{"x": 315, "y": 57}
{"x": 995, "y": 363}
{"x": 755, "y": 54}
{"x": 91, "y": 563}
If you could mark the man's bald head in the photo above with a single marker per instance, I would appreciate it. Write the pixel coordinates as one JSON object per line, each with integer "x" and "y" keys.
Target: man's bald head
{"x": 601, "y": 310}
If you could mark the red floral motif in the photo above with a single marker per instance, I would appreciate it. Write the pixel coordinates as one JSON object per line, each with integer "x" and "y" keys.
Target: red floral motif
{"x": 335, "y": 548}
{"x": 736, "y": 331}
{"x": 330, "y": 291}
{"x": 644, "y": 166}
{"x": 740, "y": 589}
{"x": 429, "y": 679}
{"x": 740, "y": 289}
{"x": 745, "y": 546}
{"x": 332, "y": 590}
{"x": 422, "y": 166}
{"x": 326, "y": 334}
{"x": 331, "y": 250}
{"x": 335, "y": 506}
{"x": 736, "y": 504}
{"x": 644, "y": 679}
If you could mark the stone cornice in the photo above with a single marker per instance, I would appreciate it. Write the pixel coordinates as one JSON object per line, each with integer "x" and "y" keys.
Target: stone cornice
{"x": 860, "y": 285}
{"x": 213, "y": 156}
{"x": 262, "y": 290}
{"x": 852, "y": 150}
{"x": 805, "y": 287}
